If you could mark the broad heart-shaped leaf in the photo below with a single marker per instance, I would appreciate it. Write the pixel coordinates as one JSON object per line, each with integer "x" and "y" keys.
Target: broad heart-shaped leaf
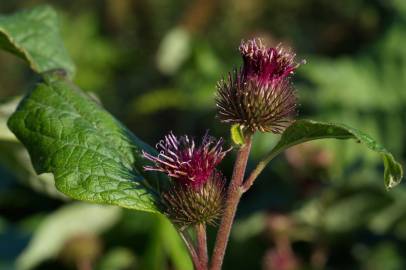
{"x": 33, "y": 35}
{"x": 307, "y": 130}
{"x": 92, "y": 156}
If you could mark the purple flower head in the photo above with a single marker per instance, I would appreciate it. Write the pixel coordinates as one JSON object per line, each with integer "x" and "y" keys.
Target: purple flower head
{"x": 184, "y": 161}
{"x": 259, "y": 96}
{"x": 266, "y": 65}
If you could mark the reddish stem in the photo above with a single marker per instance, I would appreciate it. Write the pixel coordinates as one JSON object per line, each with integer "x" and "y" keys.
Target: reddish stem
{"x": 257, "y": 171}
{"x": 202, "y": 245}
{"x": 234, "y": 193}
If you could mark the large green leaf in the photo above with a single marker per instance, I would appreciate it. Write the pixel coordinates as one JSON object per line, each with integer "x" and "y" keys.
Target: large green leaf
{"x": 15, "y": 158}
{"x": 307, "y": 130}
{"x": 92, "y": 156}
{"x": 33, "y": 35}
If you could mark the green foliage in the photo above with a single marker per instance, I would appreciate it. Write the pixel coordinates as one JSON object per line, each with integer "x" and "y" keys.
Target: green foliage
{"x": 122, "y": 47}
{"x": 174, "y": 49}
{"x": 14, "y": 156}
{"x": 70, "y": 221}
{"x": 349, "y": 213}
{"x": 382, "y": 256}
{"x": 33, "y": 35}
{"x": 165, "y": 242}
{"x": 97, "y": 64}
{"x": 118, "y": 259}
{"x": 307, "y": 130}
{"x": 92, "y": 156}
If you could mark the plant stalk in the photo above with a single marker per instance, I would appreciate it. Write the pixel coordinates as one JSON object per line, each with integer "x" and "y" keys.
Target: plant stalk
{"x": 257, "y": 171}
{"x": 192, "y": 251}
{"x": 202, "y": 245}
{"x": 234, "y": 193}
{"x": 254, "y": 174}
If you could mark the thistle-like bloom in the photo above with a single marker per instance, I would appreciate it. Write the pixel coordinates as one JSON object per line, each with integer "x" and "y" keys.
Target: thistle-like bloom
{"x": 255, "y": 106}
{"x": 266, "y": 65}
{"x": 259, "y": 96}
{"x": 197, "y": 191}
{"x": 184, "y": 161}
{"x": 187, "y": 206}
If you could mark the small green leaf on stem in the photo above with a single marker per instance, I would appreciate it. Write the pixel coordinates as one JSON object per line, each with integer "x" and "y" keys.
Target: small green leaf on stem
{"x": 307, "y": 130}
{"x": 237, "y": 134}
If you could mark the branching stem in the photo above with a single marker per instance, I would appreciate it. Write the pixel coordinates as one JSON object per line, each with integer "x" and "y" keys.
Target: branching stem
{"x": 258, "y": 169}
{"x": 234, "y": 193}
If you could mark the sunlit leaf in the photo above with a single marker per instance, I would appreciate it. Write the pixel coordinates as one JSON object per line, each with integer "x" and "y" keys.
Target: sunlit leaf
{"x": 92, "y": 156}
{"x": 307, "y": 130}
{"x": 15, "y": 158}
{"x": 33, "y": 35}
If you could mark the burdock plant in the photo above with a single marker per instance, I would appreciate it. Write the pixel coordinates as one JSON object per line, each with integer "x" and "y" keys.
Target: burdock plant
{"x": 94, "y": 158}
{"x": 259, "y": 96}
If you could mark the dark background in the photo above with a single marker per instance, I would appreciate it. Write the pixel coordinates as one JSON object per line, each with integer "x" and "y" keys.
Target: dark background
{"x": 154, "y": 65}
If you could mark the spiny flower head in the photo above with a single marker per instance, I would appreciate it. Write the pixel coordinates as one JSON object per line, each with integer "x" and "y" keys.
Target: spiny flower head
{"x": 187, "y": 206}
{"x": 266, "y": 65}
{"x": 259, "y": 96}
{"x": 184, "y": 161}
{"x": 255, "y": 106}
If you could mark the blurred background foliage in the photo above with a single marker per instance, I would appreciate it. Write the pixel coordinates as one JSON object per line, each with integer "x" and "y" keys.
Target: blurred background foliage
{"x": 154, "y": 65}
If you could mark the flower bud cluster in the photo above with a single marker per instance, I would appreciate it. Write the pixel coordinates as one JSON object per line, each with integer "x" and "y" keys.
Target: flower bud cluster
{"x": 257, "y": 97}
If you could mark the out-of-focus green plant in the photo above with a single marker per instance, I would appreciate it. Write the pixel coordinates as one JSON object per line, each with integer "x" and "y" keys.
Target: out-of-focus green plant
{"x": 60, "y": 126}
{"x": 371, "y": 97}
{"x": 74, "y": 220}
